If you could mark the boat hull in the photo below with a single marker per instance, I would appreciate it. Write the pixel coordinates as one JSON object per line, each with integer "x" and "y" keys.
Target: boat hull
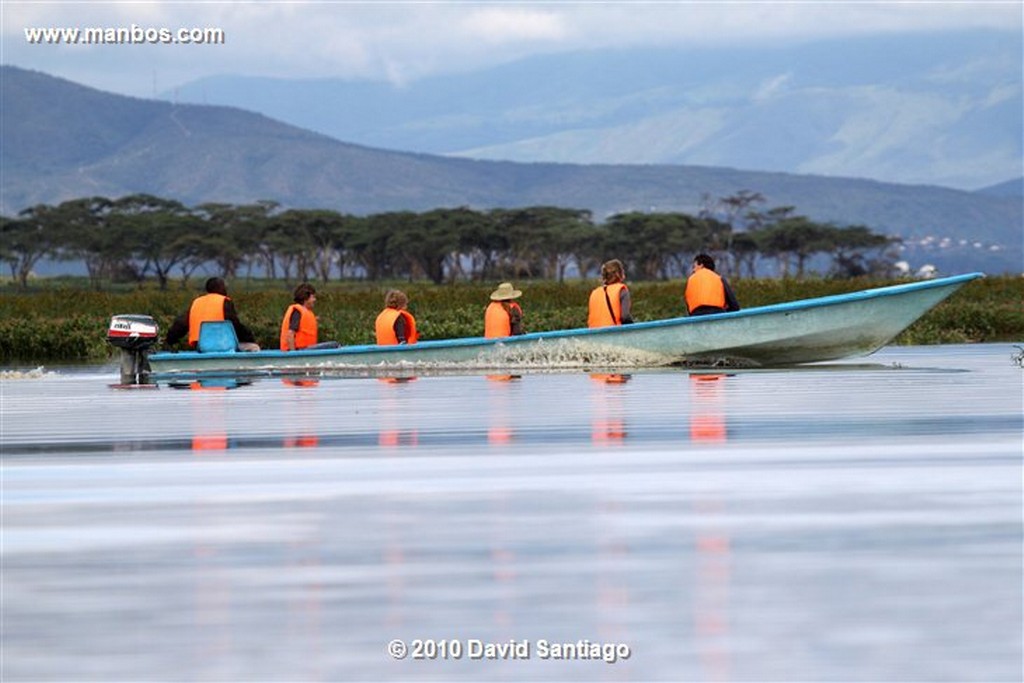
{"x": 807, "y": 331}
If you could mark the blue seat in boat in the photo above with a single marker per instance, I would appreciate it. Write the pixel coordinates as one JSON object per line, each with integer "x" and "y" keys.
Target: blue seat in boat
{"x": 217, "y": 337}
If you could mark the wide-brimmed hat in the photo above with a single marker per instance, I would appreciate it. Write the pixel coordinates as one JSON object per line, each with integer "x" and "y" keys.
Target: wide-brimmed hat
{"x": 504, "y": 292}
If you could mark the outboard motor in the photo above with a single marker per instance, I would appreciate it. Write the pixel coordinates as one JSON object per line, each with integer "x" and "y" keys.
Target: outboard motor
{"x": 135, "y": 335}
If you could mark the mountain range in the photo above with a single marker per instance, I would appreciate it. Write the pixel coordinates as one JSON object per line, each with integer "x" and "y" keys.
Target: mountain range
{"x": 60, "y": 140}
{"x": 932, "y": 108}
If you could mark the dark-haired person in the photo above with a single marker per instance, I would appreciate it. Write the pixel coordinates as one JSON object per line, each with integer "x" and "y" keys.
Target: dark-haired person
{"x": 215, "y": 305}
{"x": 706, "y": 291}
{"x": 395, "y": 325}
{"x": 299, "y": 326}
{"x": 610, "y": 304}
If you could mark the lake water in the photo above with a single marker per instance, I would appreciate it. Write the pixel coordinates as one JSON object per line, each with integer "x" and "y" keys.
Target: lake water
{"x": 855, "y": 521}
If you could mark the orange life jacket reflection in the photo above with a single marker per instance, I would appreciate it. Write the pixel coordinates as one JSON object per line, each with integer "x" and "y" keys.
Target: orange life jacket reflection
{"x": 207, "y": 308}
{"x": 704, "y": 288}
{"x": 306, "y": 334}
{"x": 599, "y": 315}
{"x": 385, "y": 327}
{"x": 497, "y": 320}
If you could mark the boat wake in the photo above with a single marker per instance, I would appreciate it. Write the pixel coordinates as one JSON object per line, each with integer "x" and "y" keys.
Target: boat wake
{"x": 36, "y": 373}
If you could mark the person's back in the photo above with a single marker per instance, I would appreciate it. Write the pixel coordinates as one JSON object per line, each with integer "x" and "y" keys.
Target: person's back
{"x": 610, "y": 304}
{"x": 215, "y": 305}
{"x": 395, "y": 325}
{"x": 206, "y": 308}
{"x": 708, "y": 292}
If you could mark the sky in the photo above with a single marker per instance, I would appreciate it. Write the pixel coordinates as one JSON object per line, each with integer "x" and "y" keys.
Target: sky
{"x": 400, "y": 42}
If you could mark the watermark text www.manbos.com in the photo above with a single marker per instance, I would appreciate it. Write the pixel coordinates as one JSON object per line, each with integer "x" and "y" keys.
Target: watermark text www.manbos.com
{"x": 455, "y": 648}
{"x": 124, "y": 35}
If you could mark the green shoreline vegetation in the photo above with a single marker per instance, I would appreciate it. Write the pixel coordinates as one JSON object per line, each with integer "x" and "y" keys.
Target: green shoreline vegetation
{"x": 64, "y": 320}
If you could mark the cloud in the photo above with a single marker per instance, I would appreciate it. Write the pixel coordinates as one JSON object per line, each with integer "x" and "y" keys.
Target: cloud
{"x": 404, "y": 41}
{"x": 772, "y": 87}
{"x": 510, "y": 25}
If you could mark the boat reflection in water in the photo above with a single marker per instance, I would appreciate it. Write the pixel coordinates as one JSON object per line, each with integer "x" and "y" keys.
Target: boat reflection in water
{"x": 711, "y": 585}
{"x": 607, "y": 425}
{"x": 303, "y": 382}
{"x": 394, "y": 432}
{"x": 499, "y": 397}
{"x": 707, "y": 414}
{"x": 298, "y": 413}
{"x": 209, "y": 416}
{"x": 301, "y": 422}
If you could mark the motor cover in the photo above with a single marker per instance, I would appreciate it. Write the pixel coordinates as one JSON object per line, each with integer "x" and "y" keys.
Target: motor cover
{"x": 132, "y": 331}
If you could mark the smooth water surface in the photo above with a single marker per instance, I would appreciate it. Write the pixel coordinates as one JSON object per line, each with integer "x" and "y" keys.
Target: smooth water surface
{"x": 849, "y": 521}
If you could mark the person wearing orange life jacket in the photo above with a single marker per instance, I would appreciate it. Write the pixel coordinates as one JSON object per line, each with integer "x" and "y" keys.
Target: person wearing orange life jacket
{"x": 610, "y": 304}
{"x": 299, "y": 326}
{"x": 504, "y": 317}
{"x": 215, "y": 305}
{"x": 706, "y": 291}
{"x": 395, "y": 325}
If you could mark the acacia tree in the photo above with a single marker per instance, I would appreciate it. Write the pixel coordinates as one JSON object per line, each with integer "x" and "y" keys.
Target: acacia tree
{"x": 85, "y": 234}
{"x": 232, "y": 233}
{"x": 27, "y": 239}
{"x": 536, "y": 238}
{"x": 732, "y": 212}
{"x": 312, "y": 239}
{"x": 571, "y": 230}
{"x": 481, "y": 245}
{"x": 649, "y": 244}
{"x": 794, "y": 238}
{"x": 369, "y": 244}
{"x": 144, "y": 235}
{"x": 457, "y": 226}
{"x": 425, "y": 241}
{"x": 157, "y": 231}
{"x": 852, "y": 248}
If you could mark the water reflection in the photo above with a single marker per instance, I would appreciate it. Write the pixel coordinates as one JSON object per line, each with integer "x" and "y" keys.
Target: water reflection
{"x": 299, "y": 414}
{"x": 301, "y": 383}
{"x": 708, "y": 410}
{"x": 713, "y": 574}
{"x": 608, "y": 426}
{"x": 395, "y": 431}
{"x": 210, "y": 384}
{"x": 500, "y": 408}
{"x": 208, "y": 413}
{"x": 888, "y": 523}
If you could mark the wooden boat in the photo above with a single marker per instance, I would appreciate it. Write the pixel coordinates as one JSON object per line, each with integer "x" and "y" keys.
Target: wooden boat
{"x": 806, "y": 331}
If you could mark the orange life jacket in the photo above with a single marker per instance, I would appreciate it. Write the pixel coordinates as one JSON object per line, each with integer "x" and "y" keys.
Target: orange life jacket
{"x": 704, "y": 288}
{"x": 599, "y": 315}
{"x": 497, "y": 321}
{"x": 209, "y": 307}
{"x": 385, "y": 327}
{"x": 306, "y": 334}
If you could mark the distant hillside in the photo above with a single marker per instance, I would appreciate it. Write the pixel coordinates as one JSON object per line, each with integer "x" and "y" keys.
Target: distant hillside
{"x": 1011, "y": 188}
{"x": 939, "y": 109}
{"x": 59, "y": 141}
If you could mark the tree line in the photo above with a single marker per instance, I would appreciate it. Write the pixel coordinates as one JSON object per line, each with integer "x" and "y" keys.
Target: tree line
{"x": 142, "y": 236}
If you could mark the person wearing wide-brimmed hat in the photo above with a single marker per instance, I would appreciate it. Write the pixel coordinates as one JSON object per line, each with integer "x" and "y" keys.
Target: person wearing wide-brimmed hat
{"x": 504, "y": 317}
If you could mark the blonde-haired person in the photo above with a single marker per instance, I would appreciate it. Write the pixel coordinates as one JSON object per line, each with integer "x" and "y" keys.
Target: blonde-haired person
{"x": 395, "y": 325}
{"x": 610, "y": 304}
{"x": 504, "y": 317}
